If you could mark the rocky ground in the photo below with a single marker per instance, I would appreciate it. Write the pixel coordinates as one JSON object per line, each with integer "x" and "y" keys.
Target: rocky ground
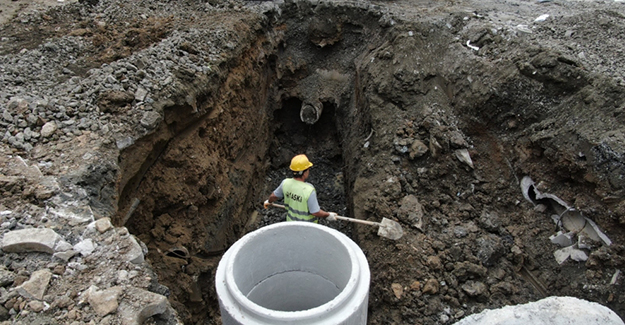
{"x": 138, "y": 140}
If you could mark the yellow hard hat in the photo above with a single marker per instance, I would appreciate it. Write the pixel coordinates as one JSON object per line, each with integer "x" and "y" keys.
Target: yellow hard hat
{"x": 300, "y": 163}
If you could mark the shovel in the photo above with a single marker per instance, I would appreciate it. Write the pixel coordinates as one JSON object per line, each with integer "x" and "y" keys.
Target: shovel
{"x": 387, "y": 228}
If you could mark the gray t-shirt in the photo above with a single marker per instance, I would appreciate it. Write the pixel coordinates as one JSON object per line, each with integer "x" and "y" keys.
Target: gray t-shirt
{"x": 313, "y": 204}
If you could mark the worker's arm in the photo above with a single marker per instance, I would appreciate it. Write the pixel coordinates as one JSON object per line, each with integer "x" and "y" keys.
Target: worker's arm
{"x": 313, "y": 205}
{"x": 321, "y": 214}
{"x": 272, "y": 198}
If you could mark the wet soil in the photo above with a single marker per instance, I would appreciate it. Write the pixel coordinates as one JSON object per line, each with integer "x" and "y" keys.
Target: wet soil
{"x": 403, "y": 93}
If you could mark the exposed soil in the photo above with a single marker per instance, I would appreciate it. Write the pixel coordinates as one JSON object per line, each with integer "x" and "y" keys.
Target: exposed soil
{"x": 406, "y": 87}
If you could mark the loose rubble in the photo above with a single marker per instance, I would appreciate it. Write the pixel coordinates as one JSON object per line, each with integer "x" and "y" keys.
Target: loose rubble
{"x": 137, "y": 140}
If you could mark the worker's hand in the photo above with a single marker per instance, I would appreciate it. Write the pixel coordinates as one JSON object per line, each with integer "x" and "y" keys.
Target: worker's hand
{"x": 332, "y": 216}
{"x": 266, "y": 204}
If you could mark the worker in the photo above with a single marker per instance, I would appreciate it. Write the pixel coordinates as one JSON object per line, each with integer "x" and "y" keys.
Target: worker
{"x": 299, "y": 196}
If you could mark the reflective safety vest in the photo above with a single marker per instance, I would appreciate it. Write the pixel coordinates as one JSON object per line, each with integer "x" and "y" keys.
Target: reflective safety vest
{"x": 296, "y": 194}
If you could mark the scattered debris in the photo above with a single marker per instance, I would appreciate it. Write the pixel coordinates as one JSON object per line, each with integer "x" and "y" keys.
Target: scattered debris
{"x": 541, "y": 18}
{"x": 567, "y": 217}
{"x": 463, "y": 156}
{"x": 524, "y": 29}
{"x": 562, "y": 239}
{"x": 398, "y": 290}
{"x": 575, "y": 254}
{"x": 475, "y": 48}
{"x": 615, "y": 277}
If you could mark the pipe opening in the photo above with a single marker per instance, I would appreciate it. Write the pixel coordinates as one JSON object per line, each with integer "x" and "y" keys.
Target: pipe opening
{"x": 292, "y": 271}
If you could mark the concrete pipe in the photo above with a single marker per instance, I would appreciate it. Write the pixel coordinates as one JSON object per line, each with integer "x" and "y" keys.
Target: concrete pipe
{"x": 293, "y": 273}
{"x": 310, "y": 112}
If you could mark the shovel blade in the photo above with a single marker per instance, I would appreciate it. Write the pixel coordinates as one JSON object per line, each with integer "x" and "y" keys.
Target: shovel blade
{"x": 390, "y": 229}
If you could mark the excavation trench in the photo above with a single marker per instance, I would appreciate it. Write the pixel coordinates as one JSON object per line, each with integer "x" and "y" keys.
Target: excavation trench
{"x": 389, "y": 110}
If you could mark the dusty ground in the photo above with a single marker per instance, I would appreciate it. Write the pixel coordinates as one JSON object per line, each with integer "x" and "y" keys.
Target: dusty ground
{"x": 405, "y": 87}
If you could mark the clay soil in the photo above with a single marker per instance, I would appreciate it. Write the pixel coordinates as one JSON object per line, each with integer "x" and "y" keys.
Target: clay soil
{"x": 406, "y": 86}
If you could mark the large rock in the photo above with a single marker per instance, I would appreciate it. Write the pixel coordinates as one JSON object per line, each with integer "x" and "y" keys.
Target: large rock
{"x": 138, "y": 305}
{"x": 30, "y": 240}
{"x": 548, "y": 311}
{"x": 411, "y": 212}
{"x": 104, "y": 302}
{"x": 36, "y": 286}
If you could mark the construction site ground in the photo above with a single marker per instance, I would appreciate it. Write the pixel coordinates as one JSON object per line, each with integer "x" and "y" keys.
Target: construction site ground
{"x": 176, "y": 120}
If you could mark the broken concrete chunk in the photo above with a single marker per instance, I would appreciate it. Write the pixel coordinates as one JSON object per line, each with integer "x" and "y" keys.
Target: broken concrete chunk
{"x": 562, "y": 255}
{"x": 579, "y": 255}
{"x": 76, "y": 215}
{"x": 562, "y": 239}
{"x": 140, "y": 94}
{"x": 140, "y": 304}
{"x": 575, "y": 254}
{"x": 85, "y": 247}
{"x": 463, "y": 156}
{"x": 62, "y": 246}
{"x": 135, "y": 252}
{"x": 36, "y": 286}
{"x": 66, "y": 255}
{"x": 30, "y": 240}
{"x": 104, "y": 302}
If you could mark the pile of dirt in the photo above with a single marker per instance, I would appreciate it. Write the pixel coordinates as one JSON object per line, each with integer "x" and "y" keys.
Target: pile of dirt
{"x": 176, "y": 119}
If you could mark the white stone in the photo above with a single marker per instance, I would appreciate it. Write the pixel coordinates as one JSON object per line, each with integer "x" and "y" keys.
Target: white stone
{"x": 548, "y": 311}
{"x": 48, "y": 129}
{"x": 103, "y": 225}
{"x": 85, "y": 247}
{"x": 464, "y": 156}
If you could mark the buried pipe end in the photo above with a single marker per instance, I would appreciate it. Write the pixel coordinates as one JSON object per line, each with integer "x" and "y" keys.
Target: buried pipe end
{"x": 311, "y": 112}
{"x": 293, "y": 273}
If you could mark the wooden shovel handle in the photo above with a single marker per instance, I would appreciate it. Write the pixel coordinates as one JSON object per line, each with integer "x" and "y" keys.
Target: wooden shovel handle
{"x": 364, "y": 222}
